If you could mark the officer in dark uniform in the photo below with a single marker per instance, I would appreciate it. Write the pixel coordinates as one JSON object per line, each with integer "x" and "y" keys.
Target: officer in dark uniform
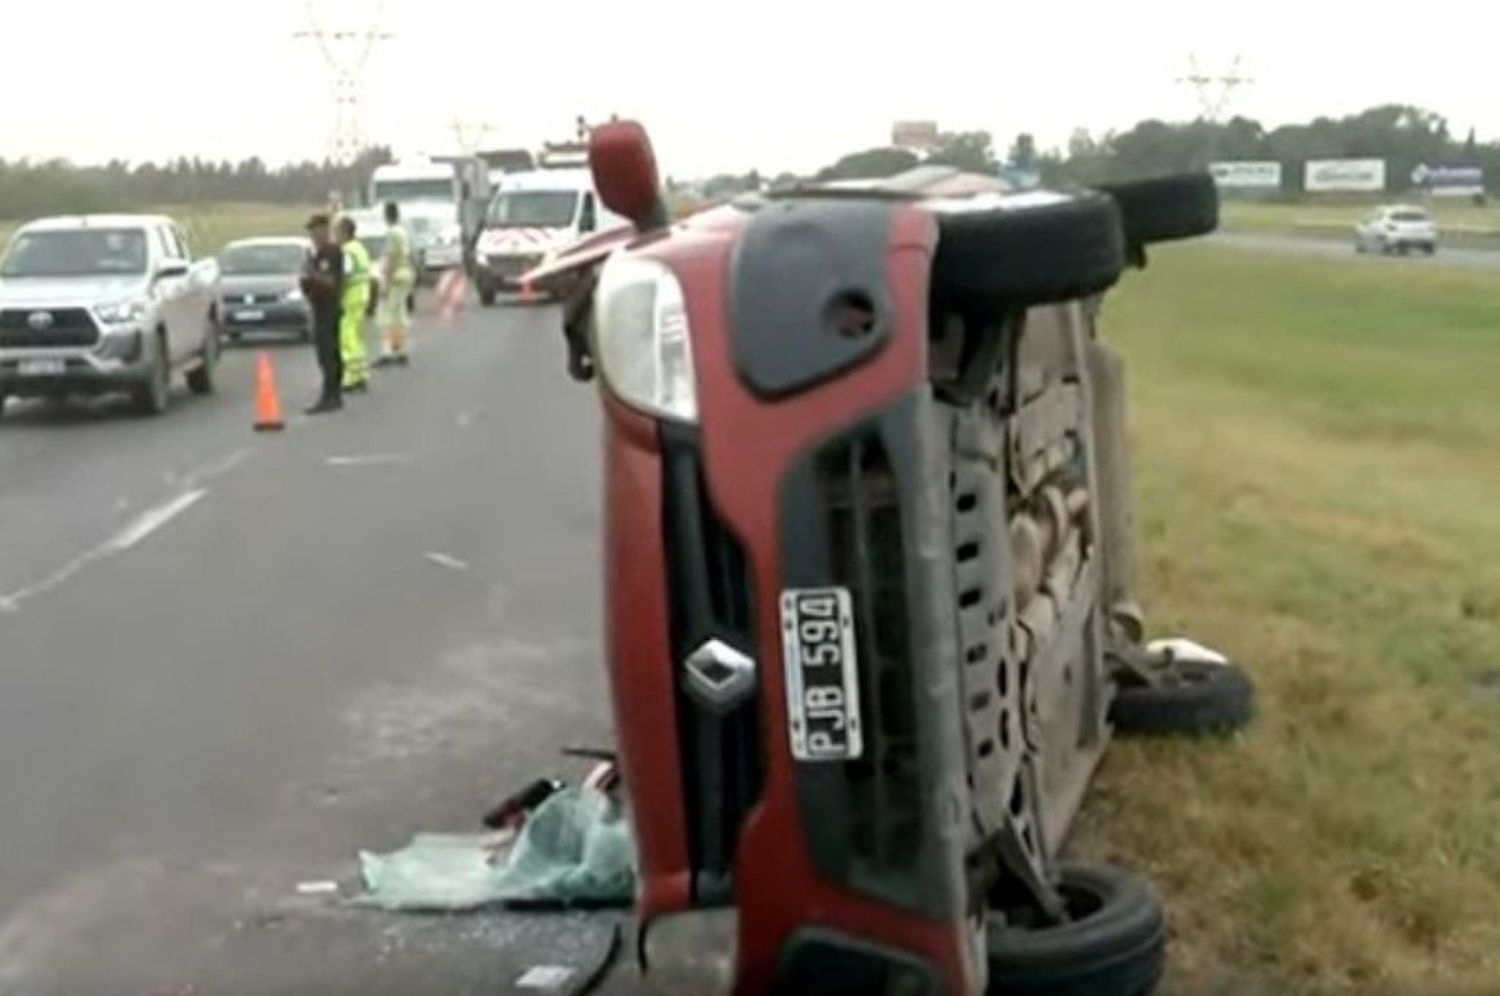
{"x": 323, "y": 286}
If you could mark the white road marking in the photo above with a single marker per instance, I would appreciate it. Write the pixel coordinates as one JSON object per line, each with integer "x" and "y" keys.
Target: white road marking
{"x": 151, "y": 520}
{"x": 444, "y": 560}
{"x": 368, "y": 459}
{"x": 144, "y": 525}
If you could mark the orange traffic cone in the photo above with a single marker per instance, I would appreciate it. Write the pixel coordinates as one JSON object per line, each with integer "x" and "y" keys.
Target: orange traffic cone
{"x": 267, "y": 404}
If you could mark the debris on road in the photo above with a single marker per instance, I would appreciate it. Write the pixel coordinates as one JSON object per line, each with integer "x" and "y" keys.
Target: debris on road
{"x": 511, "y": 811}
{"x": 574, "y": 849}
{"x": 446, "y": 560}
{"x": 326, "y": 887}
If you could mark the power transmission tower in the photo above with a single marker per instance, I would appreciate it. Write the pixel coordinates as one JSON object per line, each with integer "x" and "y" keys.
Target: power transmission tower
{"x": 471, "y": 135}
{"x": 346, "y": 51}
{"x": 1214, "y": 93}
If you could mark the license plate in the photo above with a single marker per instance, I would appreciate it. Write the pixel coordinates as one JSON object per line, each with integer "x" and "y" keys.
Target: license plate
{"x": 42, "y": 368}
{"x": 249, "y": 315}
{"x": 822, "y": 674}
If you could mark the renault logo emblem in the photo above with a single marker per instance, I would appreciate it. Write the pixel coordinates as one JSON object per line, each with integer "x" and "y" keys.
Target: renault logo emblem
{"x": 41, "y": 321}
{"x": 720, "y": 676}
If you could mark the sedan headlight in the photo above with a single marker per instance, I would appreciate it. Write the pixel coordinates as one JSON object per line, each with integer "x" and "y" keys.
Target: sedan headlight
{"x": 645, "y": 351}
{"x": 293, "y": 296}
{"x": 121, "y": 312}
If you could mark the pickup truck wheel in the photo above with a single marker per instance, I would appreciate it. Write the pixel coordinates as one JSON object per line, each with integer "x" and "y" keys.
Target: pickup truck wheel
{"x": 1114, "y": 944}
{"x": 200, "y": 379}
{"x": 1189, "y": 698}
{"x": 153, "y": 397}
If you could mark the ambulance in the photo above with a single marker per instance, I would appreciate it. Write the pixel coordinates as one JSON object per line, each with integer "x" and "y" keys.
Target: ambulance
{"x": 535, "y": 215}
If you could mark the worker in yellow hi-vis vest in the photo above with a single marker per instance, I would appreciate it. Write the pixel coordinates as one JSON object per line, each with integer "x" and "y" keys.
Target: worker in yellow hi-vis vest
{"x": 354, "y": 303}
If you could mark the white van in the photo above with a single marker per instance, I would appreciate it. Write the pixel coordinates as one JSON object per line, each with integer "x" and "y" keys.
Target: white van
{"x": 535, "y": 215}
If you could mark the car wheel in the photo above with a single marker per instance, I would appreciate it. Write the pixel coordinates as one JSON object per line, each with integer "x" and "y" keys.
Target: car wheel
{"x": 1188, "y": 698}
{"x": 200, "y": 379}
{"x": 153, "y": 397}
{"x": 1003, "y": 260}
{"x": 1115, "y": 943}
{"x": 1359, "y": 246}
{"x": 1166, "y": 208}
{"x": 487, "y": 296}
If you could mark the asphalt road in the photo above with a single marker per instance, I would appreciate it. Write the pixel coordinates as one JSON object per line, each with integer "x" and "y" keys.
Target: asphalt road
{"x": 1483, "y": 259}
{"x": 229, "y": 661}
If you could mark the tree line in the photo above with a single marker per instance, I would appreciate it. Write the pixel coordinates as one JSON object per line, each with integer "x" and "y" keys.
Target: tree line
{"x": 1404, "y": 136}
{"x": 30, "y": 188}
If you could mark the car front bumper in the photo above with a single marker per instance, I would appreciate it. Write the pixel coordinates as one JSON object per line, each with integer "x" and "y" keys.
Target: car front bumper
{"x": 504, "y": 270}
{"x": 118, "y": 363}
{"x": 285, "y": 316}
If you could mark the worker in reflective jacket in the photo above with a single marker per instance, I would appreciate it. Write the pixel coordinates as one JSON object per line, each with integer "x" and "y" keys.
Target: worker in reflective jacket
{"x": 355, "y": 302}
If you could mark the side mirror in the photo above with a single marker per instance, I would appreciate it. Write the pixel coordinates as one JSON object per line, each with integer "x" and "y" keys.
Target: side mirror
{"x": 171, "y": 268}
{"x": 624, "y": 169}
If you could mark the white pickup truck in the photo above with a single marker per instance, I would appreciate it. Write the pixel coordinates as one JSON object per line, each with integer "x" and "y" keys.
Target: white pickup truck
{"x": 99, "y": 304}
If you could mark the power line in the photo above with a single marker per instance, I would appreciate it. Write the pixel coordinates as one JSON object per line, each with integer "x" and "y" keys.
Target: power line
{"x": 346, "y": 52}
{"x": 1214, "y": 92}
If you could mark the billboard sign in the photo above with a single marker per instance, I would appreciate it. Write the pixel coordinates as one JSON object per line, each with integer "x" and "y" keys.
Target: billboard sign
{"x": 1449, "y": 181}
{"x": 1247, "y": 175}
{"x": 1354, "y": 176}
{"x": 915, "y": 135}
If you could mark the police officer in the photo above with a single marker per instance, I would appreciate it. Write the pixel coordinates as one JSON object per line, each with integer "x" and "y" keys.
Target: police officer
{"x": 323, "y": 286}
{"x": 354, "y": 302}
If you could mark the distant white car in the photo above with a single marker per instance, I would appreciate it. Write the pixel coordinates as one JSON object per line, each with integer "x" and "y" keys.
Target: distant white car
{"x": 1397, "y": 229}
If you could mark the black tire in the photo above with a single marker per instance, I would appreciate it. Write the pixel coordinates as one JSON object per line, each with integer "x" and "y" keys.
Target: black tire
{"x": 234, "y": 337}
{"x": 1115, "y": 945}
{"x": 1001, "y": 260}
{"x": 155, "y": 396}
{"x": 487, "y": 296}
{"x": 1166, "y": 208}
{"x": 200, "y": 379}
{"x": 1194, "y": 699}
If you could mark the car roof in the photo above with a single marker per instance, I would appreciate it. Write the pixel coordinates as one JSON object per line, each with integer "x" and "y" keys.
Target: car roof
{"x": 73, "y": 222}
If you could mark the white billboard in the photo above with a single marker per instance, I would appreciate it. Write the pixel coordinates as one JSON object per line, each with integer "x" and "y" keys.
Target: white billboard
{"x": 1247, "y": 175}
{"x": 1344, "y": 176}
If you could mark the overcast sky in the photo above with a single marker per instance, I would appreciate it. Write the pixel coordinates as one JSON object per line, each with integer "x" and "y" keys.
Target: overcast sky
{"x": 776, "y": 84}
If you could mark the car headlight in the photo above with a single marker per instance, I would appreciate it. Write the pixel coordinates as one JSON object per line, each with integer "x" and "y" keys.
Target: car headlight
{"x": 293, "y": 296}
{"x": 645, "y": 351}
{"x": 450, "y": 236}
{"x": 121, "y": 312}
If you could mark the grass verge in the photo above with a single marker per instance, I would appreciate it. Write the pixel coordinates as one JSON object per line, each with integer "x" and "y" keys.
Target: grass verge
{"x": 1316, "y": 463}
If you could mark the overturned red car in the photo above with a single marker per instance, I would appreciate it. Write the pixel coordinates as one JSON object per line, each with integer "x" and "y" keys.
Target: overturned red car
{"x": 869, "y": 577}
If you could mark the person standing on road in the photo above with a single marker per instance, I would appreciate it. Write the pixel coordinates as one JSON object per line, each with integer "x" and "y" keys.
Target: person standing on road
{"x": 397, "y": 278}
{"x": 354, "y": 302}
{"x": 323, "y": 286}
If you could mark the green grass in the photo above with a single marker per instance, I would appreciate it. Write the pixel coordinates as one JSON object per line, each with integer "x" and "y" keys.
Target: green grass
{"x": 210, "y": 226}
{"x": 1317, "y": 453}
